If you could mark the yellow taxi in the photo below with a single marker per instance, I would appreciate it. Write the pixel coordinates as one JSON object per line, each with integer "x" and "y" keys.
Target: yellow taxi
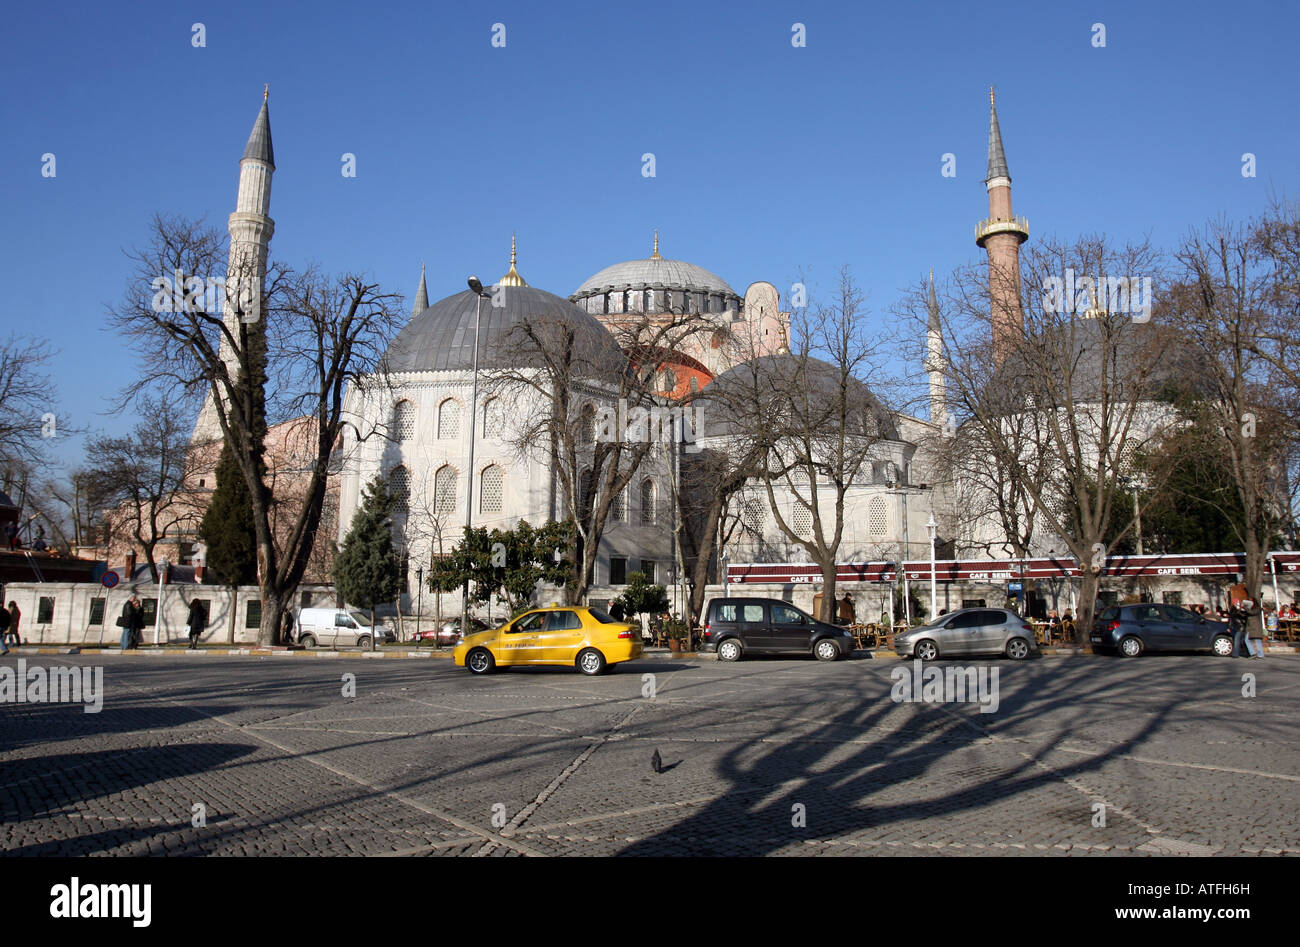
{"x": 568, "y": 636}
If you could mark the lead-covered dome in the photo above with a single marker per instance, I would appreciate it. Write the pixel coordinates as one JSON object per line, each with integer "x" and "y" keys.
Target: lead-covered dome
{"x": 655, "y": 285}
{"x": 441, "y": 338}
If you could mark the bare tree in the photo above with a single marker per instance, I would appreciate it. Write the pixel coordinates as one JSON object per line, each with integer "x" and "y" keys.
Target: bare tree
{"x": 1061, "y": 399}
{"x": 811, "y": 425}
{"x": 1225, "y": 304}
{"x": 294, "y": 354}
{"x": 27, "y": 418}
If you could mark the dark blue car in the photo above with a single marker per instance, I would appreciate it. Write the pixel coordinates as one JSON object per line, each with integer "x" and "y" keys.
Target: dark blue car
{"x": 1132, "y": 629}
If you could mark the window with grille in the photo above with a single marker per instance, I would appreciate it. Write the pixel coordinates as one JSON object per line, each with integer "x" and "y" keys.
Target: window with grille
{"x": 587, "y": 426}
{"x": 617, "y": 570}
{"x": 96, "y": 612}
{"x": 877, "y": 520}
{"x": 494, "y": 418}
{"x": 449, "y": 418}
{"x": 444, "y": 489}
{"x": 404, "y": 420}
{"x": 44, "y": 610}
{"x": 253, "y": 617}
{"x": 802, "y": 521}
{"x": 618, "y": 509}
{"x": 491, "y": 489}
{"x": 754, "y": 518}
{"x": 399, "y": 485}
{"x": 647, "y": 503}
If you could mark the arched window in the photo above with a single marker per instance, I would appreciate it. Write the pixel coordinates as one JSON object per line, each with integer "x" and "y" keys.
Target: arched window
{"x": 444, "y": 489}
{"x": 754, "y": 517}
{"x": 404, "y": 420}
{"x": 668, "y": 381}
{"x": 449, "y": 419}
{"x": 627, "y": 300}
{"x": 695, "y": 385}
{"x": 618, "y": 509}
{"x": 587, "y": 426}
{"x": 399, "y": 485}
{"x": 494, "y": 418}
{"x": 802, "y": 521}
{"x": 647, "y": 502}
{"x": 877, "y": 520}
{"x": 647, "y": 301}
{"x": 491, "y": 489}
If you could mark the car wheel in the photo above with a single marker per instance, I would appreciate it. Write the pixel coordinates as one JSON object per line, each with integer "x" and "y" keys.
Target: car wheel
{"x": 590, "y": 662}
{"x": 826, "y": 650}
{"x": 925, "y": 650}
{"x": 1130, "y": 647}
{"x": 1017, "y": 649}
{"x": 480, "y": 661}
{"x": 307, "y": 641}
{"x": 1223, "y": 646}
{"x": 729, "y": 650}
{"x": 363, "y": 642}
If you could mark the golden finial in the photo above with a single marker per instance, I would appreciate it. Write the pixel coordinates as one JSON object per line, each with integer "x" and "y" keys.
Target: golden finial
{"x": 512, "y": 278}
{"x": 655, "y": 255}
{"x": 266, "y": 92}
{"x": 991, "y": 102}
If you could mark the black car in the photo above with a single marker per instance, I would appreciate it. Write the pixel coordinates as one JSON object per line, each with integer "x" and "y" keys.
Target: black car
{"x": 737, "y": 626}
{"x": 1132, "y": 629}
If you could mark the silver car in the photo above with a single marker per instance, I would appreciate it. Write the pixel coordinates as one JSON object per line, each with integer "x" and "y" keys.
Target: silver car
{"x": 969, "y": 631}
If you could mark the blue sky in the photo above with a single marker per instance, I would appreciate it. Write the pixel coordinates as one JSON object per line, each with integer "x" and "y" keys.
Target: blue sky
{"x": 770, "y": 159}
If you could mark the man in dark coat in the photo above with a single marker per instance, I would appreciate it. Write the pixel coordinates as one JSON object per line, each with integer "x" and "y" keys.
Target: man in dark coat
{"x": 132, "y": 622}
{"x": 197, "y": 622}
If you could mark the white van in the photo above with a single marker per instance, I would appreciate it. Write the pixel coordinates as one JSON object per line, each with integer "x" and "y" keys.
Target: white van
{"x": 339, "y": 628}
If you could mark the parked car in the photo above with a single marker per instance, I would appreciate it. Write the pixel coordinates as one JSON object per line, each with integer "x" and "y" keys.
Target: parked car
{"x": 572, "y": 636}
{"x": 339, "y": 628}
{"x": 448, "y": 632}
{"x": 969, "y": 631}
{"x": 1132, "y": 629}
{"x": 734, "y": 627}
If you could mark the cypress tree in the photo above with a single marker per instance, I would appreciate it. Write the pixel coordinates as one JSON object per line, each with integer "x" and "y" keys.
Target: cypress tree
{"x": 366, "y": 571}
{"x": 227, "y": 528}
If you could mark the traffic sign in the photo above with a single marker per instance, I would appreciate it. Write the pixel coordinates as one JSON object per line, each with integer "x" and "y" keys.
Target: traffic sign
{"x": 109, "y": 580}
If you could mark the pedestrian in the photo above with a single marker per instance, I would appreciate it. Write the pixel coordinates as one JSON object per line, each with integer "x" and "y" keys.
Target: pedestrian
{"x": 4, "y": 627}
{"x": 848, "y": 614}
{"x": 1053, "y": 629}
{"x": 286, "y": 627}
{"x": 132, "y": 622}
{"x": 1238, "y": 615}
{"x": 616, "y": 610}
{"x": 196, "y": 623}
{"x": 1255, "y": 633}
{"x": 14, "y": 616}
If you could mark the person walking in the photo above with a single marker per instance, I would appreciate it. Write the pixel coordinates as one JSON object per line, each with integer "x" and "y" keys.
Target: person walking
{"x": 14, "y": 616}
{"x": 4, "y": 627}
{"x": 1237, "y": 617}
{"x": 1255, "y": 633}
{"x": 848, "y": 614}
{"x": 196, "y": 623}
{"x": 616, "y": 610}
{"x": 132, "y": 622}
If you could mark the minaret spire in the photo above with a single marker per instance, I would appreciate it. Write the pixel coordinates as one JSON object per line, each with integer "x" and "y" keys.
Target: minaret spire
{"x": 1000, "y": 235}
{"x": 251, "y": 229}
{"x": 421, "y": 295}
{"x": 934, "y": 362}
{"x": 655, "y": 255}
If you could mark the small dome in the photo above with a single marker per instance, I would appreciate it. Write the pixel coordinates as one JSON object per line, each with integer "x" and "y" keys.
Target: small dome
{"x": 441, "y": 338}
{"x": 773, "y": 376}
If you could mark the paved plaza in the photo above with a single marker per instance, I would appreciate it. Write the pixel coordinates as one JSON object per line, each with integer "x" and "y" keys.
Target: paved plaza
{"x": 267, "y": 755}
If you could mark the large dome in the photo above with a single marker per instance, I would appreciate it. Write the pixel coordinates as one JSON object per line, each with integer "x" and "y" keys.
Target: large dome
{"x": 734, "y": 393}
{"x": 441, "y": 338}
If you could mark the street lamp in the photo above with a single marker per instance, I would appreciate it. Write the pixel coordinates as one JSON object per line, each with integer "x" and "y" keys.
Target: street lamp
{"x": 1137, "y": 482}
{"x": 163, "y": 566}
{"x": 933, "y": 527}
{"x": 477, "y": 289}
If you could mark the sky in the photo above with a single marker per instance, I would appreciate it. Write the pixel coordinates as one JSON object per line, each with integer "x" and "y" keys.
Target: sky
{"x": 771, "y": 159}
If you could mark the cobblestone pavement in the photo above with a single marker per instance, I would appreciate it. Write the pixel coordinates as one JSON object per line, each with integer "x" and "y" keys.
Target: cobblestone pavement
{"x": 788, "y": 757}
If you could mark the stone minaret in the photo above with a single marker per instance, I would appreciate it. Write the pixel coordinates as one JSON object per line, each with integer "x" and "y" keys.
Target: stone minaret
{"x": 934, "y": 363}
{"x": 1001, "y": 236}
{"x": 250, "y": 236}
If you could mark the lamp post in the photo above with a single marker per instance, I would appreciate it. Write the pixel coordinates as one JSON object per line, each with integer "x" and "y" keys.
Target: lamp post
{"x": 933, "y": 527}
{"x": 163, "y": 565}
{"x": 1137, "y": 482}
{"x": 477, "y": 289}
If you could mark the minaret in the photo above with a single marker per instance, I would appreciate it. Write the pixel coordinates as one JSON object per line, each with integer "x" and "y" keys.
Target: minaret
{"x": 934, "y": 363}
{"x": 250, "y": 229}
{"x": 1001, "y": 236}
{"x": 421, "y": 295}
